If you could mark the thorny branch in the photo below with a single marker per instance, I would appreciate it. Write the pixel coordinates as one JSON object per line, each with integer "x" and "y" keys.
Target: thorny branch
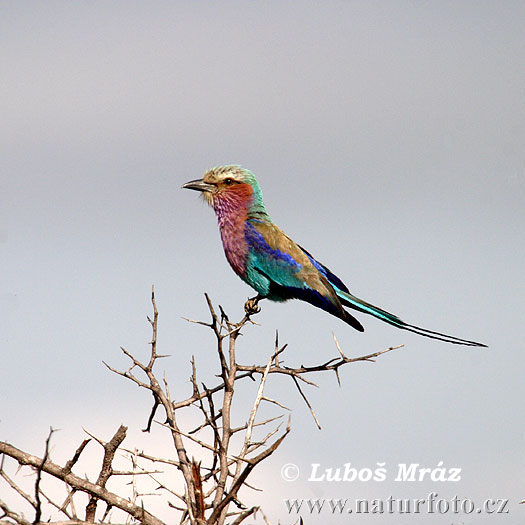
{"x": 78, "y": 483}
{"x": 110, "y": 448}
{"x": 211, "y": 485}
{"x": 223, "y": 328}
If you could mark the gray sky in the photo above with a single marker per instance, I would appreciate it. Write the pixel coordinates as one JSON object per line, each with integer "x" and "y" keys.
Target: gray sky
{"x": 388, "y": 140}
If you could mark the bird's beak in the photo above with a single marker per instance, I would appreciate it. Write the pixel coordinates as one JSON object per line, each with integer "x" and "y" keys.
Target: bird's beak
{"x": 199, "y": 185}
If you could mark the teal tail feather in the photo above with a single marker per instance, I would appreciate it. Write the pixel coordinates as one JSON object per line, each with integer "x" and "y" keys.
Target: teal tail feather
{"x": 347, "y": 299}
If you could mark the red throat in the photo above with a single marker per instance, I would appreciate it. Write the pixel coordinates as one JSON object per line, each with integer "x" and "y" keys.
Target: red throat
{"x": 233, "y": 202}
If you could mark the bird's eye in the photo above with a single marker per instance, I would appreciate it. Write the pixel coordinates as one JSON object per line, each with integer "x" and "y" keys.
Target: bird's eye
{"x": 228, "y": 181}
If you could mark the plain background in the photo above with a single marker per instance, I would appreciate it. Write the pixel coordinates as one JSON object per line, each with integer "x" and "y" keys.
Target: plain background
{"x": 388, "y": 139}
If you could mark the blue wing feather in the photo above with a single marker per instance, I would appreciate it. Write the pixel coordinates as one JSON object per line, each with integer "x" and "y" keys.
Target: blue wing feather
{"x": 332, "y": 278}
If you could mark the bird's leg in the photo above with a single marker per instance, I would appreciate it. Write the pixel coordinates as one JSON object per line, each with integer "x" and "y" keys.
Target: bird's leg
{"x": 251, "y": 306}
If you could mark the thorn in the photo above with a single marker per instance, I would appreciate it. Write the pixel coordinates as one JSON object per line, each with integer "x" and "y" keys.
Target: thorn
{"x": 338, "y": 347}
{"x": 336, "y": 370}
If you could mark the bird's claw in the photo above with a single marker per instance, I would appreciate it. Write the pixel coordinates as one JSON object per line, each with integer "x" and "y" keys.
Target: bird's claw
{"x": 251, "y": 306}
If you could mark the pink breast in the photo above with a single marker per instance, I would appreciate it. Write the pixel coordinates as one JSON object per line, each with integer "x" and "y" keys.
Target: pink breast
{"x": 232, "y": 213}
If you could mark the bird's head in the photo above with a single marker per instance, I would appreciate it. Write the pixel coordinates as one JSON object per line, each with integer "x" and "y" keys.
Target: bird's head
{"x": 230, "y": 187}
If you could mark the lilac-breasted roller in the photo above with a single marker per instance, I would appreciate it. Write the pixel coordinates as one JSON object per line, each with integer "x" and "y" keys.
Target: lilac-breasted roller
{"x": 276, "y": 267}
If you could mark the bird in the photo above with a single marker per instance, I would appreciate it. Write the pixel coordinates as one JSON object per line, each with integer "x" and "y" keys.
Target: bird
{"x": 276, "y": 267}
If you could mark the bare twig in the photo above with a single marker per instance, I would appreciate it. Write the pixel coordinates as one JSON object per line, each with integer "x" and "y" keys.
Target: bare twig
{"x": 69, "y": 465}
{"x": 38, "y": 506}
{"x": 107, "y": 470}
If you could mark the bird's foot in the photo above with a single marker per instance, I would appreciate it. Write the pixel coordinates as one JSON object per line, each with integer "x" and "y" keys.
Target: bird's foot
{"x": 251, "y": 306}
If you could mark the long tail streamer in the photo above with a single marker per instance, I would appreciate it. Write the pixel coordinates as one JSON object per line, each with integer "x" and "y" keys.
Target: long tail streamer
{"x": 362, "y": 306}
